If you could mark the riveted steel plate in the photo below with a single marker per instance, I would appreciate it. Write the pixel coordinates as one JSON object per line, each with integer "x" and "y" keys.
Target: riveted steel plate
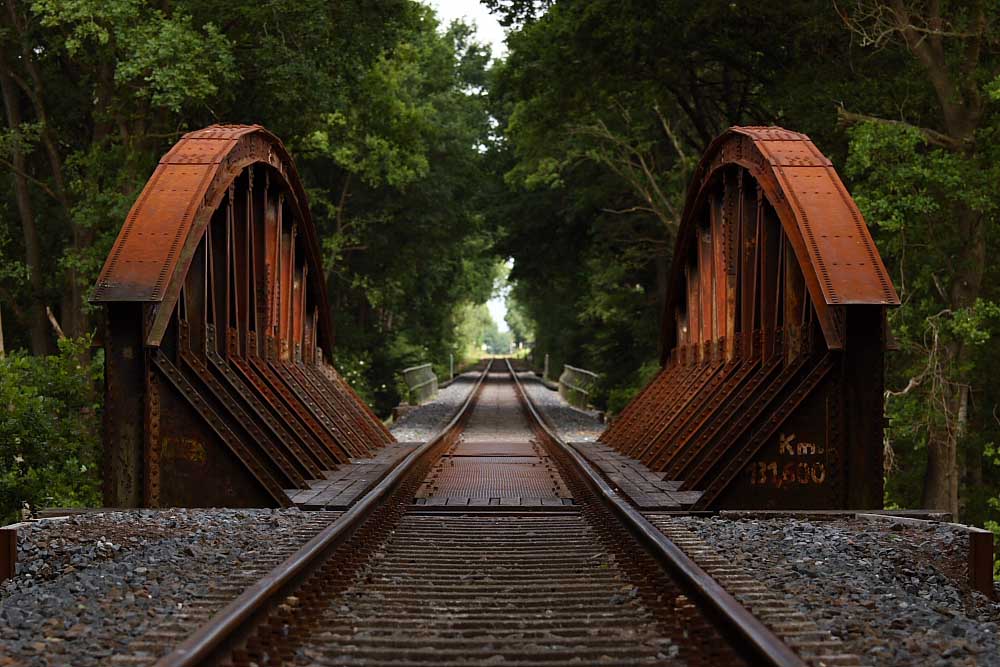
{"x": 143, "y": 257}
{"x": 196, "y": 257}
{"x": 204, "y": 151}
{"x": 774, "y": 268}
{"x": 824, "y": 212}
{"x": 841, "y": 248}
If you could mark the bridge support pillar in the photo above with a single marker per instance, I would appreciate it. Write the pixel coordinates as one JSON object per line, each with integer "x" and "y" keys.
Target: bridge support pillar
{"x": 124, "y": 411}
{"x": 864, "y": 382}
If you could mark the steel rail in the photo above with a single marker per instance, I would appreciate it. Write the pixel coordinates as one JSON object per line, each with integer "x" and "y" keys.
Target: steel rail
{"x": 703, "y": 588}
{"x": 235, "y": 621}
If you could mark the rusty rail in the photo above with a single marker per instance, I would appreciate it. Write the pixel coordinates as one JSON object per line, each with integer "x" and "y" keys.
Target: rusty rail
{"x": 232, "y": 623}
{"x": 732, "y": 615}
{"x": 231, "y": 627}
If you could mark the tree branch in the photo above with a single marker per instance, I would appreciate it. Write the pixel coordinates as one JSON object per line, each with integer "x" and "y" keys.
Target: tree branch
{"x": 21, "y": 172}
{"x": 933, "y": 137}
{"x": 630, "y": 209}
{"x": 55, "y": 323}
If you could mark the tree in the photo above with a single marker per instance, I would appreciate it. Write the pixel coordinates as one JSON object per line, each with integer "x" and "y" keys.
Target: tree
{"x": 598, "y": 105}
{"x": 522, "y": 328}
{"x": 383, "y": 109}
{"x": 50, "y": 429}
{"x": 402, "y": 175}
{"x": 604, "y": 109}
{"x": 936, "y": 164}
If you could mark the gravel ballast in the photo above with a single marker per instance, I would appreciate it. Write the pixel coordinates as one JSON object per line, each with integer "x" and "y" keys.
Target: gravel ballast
{"x": 420, "y": 423}
{"x": 95, "y": 587}
{"x": 572, "y": 424}
{"x": 90, "y": 585}
{"x": 896, "y": 595}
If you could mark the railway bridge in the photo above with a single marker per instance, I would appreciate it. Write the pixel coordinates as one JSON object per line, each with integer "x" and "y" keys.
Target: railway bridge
{"x": 496, "y": 539}
{"x": 220, "y": 389}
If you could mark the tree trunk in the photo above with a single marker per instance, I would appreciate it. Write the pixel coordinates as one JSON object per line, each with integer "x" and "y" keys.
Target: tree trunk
{"x": 32, "y": 249}
{"x": 961, "y": 107}
{"x": 73, "y": 315}
{"x": 336, "y": 292}
{"x": 953, "y": 77}
{"x": 941, "y": 481}
{"x": 941, "y": 476}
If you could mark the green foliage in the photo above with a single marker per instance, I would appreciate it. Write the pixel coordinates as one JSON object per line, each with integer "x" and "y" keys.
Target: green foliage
{"x": 13, "y": 272}
{"x": 993, "y": 454}
{"x": 517, "y": 12}
{"x": 479, "y": 333}
{"x": 401, "y": 176}
{"x": 521, "y": 326}
{"x": 50, "y": 428}
{"x": 103, "y": 192}
{"x": 975, "y": 324}
{"x": 353, "y": 367}
{"x": 385, "y": 134}
{"x": 903, "y": 183}
{"x": 160, "y": 59}
{"x": 909, "y": 190}
{"x": 619, "y": 396}
{"x": 498, "y": 342}
{"x": 474, "y": 320}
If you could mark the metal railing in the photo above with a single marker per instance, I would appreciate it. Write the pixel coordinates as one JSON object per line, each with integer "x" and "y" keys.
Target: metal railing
{"x": 576, "y": 385}
{"x": 421, "y": 382}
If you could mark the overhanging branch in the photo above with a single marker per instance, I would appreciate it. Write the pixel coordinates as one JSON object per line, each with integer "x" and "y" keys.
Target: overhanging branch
{"x": 932, "y": 137}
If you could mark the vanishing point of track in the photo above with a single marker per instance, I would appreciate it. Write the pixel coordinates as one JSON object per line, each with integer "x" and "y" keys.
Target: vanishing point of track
{"x": 493, "y": 543}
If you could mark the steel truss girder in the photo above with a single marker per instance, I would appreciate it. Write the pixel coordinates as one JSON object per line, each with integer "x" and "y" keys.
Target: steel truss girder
{"x": 773, "y": 337}
{"x": 217, "y": 322}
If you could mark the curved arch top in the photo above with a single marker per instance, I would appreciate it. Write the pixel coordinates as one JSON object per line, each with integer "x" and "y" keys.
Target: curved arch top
{"x": 219, "y": 390}
{"x": 153, "y": 251}
{"x": 773, "y": 339}
{"x": 839, "y": 261}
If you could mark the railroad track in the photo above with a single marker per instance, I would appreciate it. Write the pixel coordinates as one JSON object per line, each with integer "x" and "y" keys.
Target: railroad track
{"x": 165, "y": 635}
{"x": 493, "y": 543}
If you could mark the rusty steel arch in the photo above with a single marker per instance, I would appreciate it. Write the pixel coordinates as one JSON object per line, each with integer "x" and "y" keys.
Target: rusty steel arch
{"x": 773, "y": 338}
{"x": 218, "y": 387}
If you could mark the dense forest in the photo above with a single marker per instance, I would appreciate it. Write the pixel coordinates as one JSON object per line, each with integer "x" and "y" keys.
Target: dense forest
{"x": 434, "y": 169}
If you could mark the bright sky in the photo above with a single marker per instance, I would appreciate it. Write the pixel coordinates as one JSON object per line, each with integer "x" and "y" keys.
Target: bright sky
{"x": 498, "y": 310}
{"x": 472, "y": 11}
